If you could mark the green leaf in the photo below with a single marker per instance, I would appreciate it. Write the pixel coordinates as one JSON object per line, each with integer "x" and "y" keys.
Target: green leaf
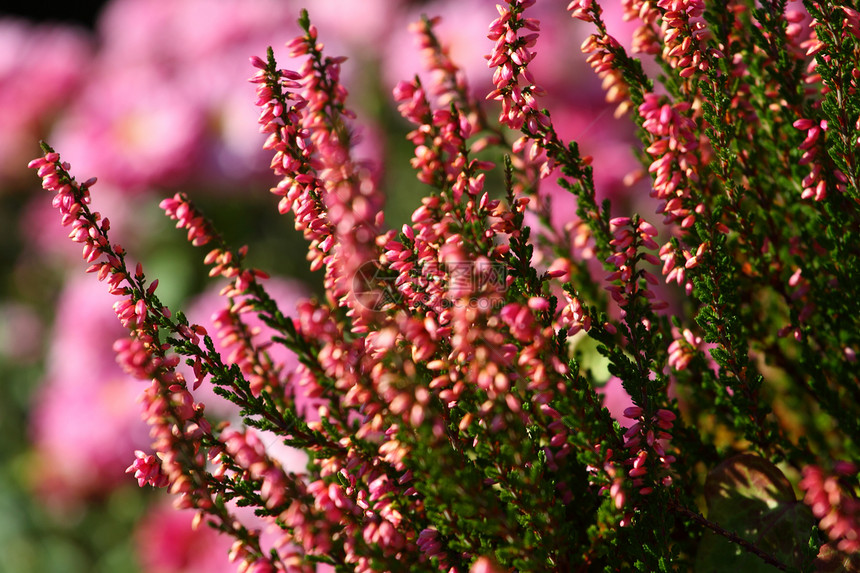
{"x": 751, "y": 497}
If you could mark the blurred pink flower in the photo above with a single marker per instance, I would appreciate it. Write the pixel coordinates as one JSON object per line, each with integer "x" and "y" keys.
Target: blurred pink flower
{"x": 133, "y": 128}
{"x": 40, "y": 66}
{"x": 85, "y": 418}
{"x": 172, "y": 34}
{"x": 463, "y": 29}
{"x": 167, "y": 94}
{"x": 201, "y": 50}
{"x": 616, "y": 399}
{"x": 197, "y": 53}
{"x": 359, "y": 27}
{"x": 166, "y": 543}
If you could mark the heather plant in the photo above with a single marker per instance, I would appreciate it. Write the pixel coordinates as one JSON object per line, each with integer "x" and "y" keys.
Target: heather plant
{"x": 446, "y": 392}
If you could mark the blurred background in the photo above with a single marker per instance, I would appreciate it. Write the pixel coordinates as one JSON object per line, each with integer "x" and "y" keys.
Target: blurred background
{"x": 151, "y": 96}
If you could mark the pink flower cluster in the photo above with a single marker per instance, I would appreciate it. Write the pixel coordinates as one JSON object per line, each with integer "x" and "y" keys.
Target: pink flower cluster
{"x": 647, "y": 441}
{"x": 511, "y": 55}
{"x": 834, "y": 504}
{"x": 177, "y": 425}
{"x": 675, "y": 161}
{"x": 683, "y": 29}
{"x": 60, "y": 55}
{"x": 245, "y": 449}
{"x": 445, "y": 388}
{"x": 600, "y": 50}
{"x": 683, "y": 349}
{"x": 84, "y": 421}
{"x": 627, "y": 240}
{"x": 147, "y": 470}
{"x": 814, "y": 185}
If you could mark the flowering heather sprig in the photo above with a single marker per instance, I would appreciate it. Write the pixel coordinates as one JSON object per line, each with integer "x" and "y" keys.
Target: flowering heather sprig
{"x": 835, "y": 504}
{"x": 628, "y": 238}
{"x": 647, "y": 440}
{"x": 454, "y": 371}
{"x": 512, "y": 53}
{"x": 278, "y": 96}
{"x": 629, "y": 286}
{"x": 601, "y": 49}
{"x": 814, "y": 184}
{"x": 675, "y": 163}
{"x": 448, "y": 82}
{"x": 683, "y": 32}
{"x": 147, "y": 470}
{"x": 244, "y": 295}
{"x": 353, "y": 202}
{"x": 334, "y": 198}
{"x": 441, "y": 153}
{"x": 835, "y": 47}
{"x": 683, "y": 349}
{"x": 515, "y": 87}
{"x": 181, "y": 433}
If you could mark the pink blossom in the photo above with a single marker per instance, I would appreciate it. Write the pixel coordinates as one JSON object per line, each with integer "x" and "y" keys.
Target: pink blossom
{"x": 147, "y": 470}
{"x": 834, "y": 504}
{"x": 685, "y": 347}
